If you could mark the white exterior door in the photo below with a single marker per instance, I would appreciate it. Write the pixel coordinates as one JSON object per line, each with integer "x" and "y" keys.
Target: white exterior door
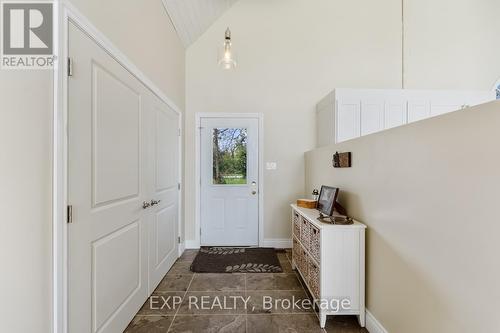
{"x": 229, "y": 165}
{"x": 122, "y": 153}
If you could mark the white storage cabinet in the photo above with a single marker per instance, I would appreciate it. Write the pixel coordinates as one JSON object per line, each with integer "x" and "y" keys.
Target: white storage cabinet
{"x": 346, "y": 114}
{"x": 331, "y": 261}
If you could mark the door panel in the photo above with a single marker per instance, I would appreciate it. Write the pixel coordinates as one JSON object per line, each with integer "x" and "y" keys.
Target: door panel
{"x": 418, "y": 110}
{"x": 395, "y": 113}
{"x": 114, "y": 284}
{"x": 348, "y": 120}
{"x": 372, "y": 116}
{"x": 115, "y": 171}
{"x": 229, "y": 181}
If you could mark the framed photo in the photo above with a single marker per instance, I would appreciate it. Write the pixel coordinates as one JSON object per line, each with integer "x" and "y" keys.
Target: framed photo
{"x": 327, "y": 200}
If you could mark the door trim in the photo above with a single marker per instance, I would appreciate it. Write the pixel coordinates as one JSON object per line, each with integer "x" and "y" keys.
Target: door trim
{"x": 64, "y": 13}
{"x": 196, "y": 243}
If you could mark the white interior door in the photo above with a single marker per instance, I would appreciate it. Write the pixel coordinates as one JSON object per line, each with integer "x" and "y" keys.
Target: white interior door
{"x": 122, "y": 153}
{"x": 229, "y": 181}
{"x": 163, "y": 221}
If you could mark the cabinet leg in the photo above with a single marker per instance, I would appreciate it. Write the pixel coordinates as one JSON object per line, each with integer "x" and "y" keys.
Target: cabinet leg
{"x": 322, "y": 319}
{"x": 362, "y": 319}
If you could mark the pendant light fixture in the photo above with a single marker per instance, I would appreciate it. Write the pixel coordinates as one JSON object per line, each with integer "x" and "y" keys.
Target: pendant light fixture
{"x": 226, "y": 54}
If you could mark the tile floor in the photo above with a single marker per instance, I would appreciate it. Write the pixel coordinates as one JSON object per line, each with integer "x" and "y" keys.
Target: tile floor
{"x": 188, "y": 302}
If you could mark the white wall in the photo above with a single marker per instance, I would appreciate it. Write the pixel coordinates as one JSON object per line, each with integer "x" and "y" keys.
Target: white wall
{"x": 428, "y": 193}
{"x": 291, "y": 53}
{"x": 142, "y": 30}
{"x": 452, "y": 44}
{"x": 25, "y": 200}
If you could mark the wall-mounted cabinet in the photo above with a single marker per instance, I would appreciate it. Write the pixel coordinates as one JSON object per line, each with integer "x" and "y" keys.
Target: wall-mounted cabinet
{"x": 346, "y": 114}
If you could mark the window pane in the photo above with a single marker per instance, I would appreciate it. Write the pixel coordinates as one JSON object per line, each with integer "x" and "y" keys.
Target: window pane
{"x": 229, "y": 156}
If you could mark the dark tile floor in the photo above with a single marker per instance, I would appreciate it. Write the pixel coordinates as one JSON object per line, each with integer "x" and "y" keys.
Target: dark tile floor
{"x": 188, "y": 302}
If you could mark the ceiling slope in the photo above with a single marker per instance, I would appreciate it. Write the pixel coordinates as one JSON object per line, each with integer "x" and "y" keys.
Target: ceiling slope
{"x": 191, "y": 18}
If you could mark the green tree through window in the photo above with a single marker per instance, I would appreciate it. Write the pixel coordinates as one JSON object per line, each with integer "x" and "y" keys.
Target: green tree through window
{"x": 229, "y": 156}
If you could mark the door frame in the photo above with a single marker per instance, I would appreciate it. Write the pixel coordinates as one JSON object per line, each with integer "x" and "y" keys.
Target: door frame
{"x": 64, "y": 12}
{"x": 198, "y": 116}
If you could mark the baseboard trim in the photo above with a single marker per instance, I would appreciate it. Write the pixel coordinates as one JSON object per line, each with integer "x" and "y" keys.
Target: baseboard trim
{"x": 373, "y": 325}
{"x": 279, "y": 243}
{"x": 192, "y": 244}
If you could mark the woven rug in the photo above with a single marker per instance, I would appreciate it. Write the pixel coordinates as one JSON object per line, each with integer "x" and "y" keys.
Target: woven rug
{"x": 236, "y": 260}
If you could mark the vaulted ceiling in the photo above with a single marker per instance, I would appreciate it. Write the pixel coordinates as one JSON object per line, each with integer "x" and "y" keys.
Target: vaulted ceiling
{"x": 191, "y": 18}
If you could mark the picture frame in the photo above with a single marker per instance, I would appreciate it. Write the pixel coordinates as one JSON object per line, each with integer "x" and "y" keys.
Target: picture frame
{"x": 327, "y": 200}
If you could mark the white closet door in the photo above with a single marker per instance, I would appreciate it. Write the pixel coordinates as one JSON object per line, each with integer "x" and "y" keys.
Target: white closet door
{"x": 164, "y": 152}
{"x": 107, "y": 261}
{"x": 348, "y": 119}
{"x": 123, "y": 153}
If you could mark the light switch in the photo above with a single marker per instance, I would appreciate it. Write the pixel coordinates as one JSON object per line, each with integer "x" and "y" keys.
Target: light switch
{"x": 271, "y": 165}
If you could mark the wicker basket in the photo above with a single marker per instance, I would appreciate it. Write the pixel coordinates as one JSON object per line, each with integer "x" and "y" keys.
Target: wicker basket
{"x": 296, "y": 224}
{"x": 313, "y": 278}
{"x": 304, "y": 233}
{"x": 315, "y": 242}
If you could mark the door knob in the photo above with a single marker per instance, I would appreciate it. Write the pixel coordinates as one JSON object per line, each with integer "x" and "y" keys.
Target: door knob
{"x": 145, "y": 204}
{"x": 154, "y": 202}
{"x": 254, "y": 192}
{"x": 254, "y": 183}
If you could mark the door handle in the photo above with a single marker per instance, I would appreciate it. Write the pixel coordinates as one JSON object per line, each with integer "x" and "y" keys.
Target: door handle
{"x": 145, "y": 204}
{"x": 154, "y": 202}
{"x": 254, "y": 192}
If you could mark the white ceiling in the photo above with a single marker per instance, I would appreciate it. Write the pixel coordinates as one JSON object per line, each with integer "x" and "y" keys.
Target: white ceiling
{"x": 191, "y": 18}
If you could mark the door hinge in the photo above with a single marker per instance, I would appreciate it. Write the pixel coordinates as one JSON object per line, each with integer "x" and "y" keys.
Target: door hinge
{"x": 179, "y": 239}
{"x": 69, "y": 214}
{"x": 179, "y": 132}
{"x": 70, "y": 66}
{"x": 179, "y": 186}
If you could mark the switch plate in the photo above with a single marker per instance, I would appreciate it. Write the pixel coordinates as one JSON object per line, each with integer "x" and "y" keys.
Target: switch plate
{"x": 271, "y": 165}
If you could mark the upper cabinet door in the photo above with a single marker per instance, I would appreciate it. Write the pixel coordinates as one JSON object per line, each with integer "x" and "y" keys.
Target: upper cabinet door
{"x": 348, "y": 119}
{"x": 418, "y": 110}
{"x": 372, "y": 116}
{"x": 442, "y": 106}
{"x": 395, "y": 113}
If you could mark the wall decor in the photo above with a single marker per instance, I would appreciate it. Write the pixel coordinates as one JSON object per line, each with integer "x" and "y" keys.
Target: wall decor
{"x": 342, "y": 160}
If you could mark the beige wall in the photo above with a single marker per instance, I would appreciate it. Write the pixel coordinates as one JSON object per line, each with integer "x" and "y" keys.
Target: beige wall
{"x": 429, "y": 195}
{"x": 291, "y": 54}
{"x": 452, "y": 44}
{"x": 142, "y": 30}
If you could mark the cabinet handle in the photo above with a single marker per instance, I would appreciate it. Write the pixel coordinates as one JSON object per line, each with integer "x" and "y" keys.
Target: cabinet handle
{"x": 145, "y": 204}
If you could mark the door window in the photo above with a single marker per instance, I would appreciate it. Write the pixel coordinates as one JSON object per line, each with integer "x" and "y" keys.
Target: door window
{"x": 229, "y": 156}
